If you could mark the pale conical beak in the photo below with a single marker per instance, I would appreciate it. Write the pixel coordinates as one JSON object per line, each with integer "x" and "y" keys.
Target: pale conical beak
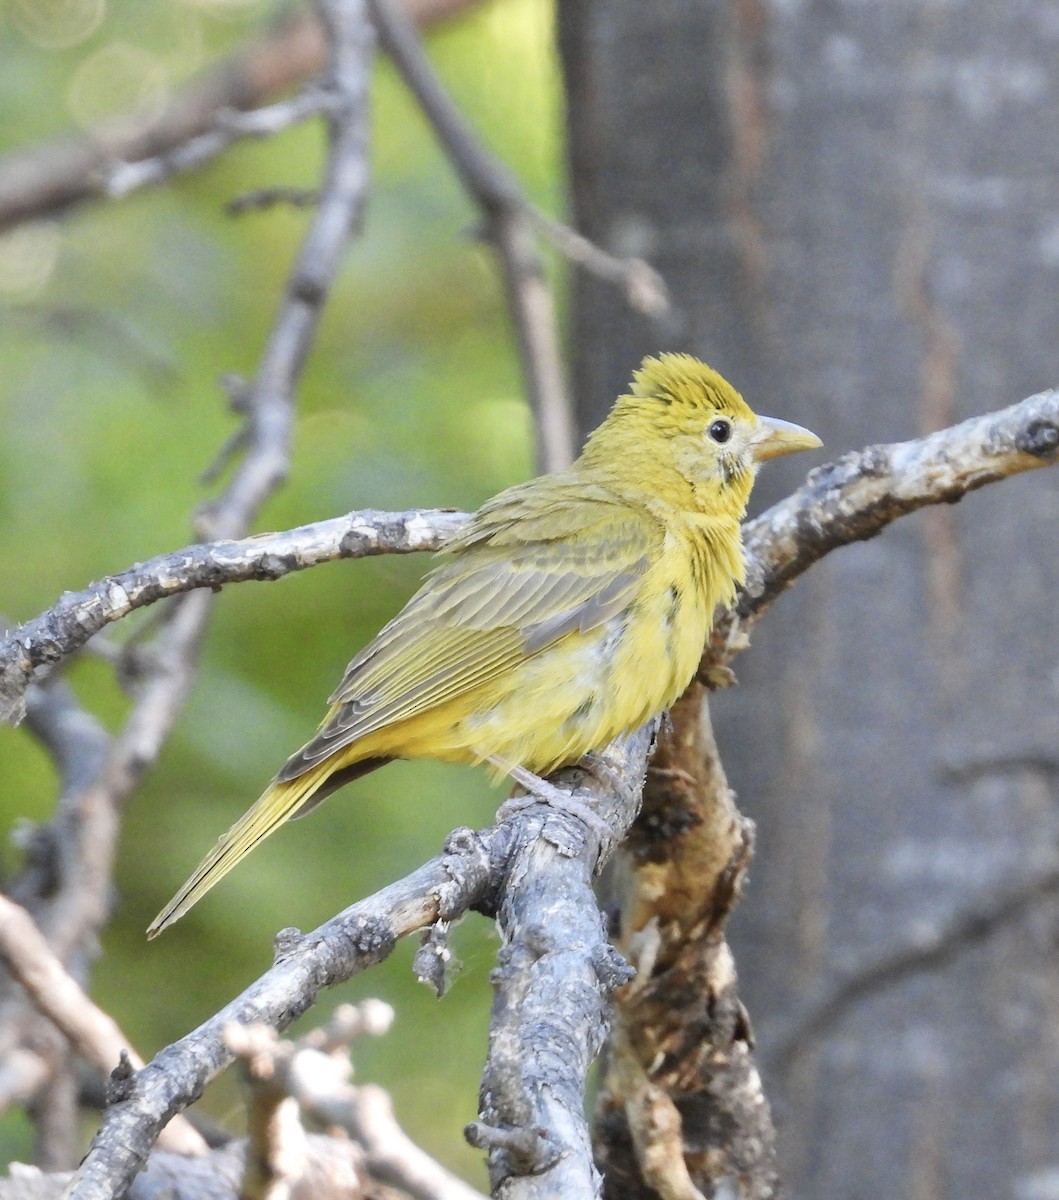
{"x": 775, "y": 437}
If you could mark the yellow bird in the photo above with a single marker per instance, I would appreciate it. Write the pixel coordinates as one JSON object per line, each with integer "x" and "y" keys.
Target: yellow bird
{"x": 571, "y": 608}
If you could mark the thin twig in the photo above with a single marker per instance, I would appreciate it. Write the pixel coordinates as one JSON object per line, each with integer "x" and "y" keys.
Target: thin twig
{"x": 392, "y": 1156}
{"x": 500, "y": 198}
{"x": 645, "y": 289}
{"x": 259, "y": 199}
{"x": 533, "y": 314}
{"x": 90, "y": 1031}
{"x": 229, "y": 126}
{"x": 49, "y": 178}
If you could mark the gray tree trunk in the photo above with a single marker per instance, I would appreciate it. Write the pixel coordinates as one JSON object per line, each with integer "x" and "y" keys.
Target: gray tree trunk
{"x": 856, "y": 207}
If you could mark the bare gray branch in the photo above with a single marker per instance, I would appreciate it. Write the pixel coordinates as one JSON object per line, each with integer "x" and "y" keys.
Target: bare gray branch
{"x": 857, "y": 496}
{"x": 64, "y": 629}
{"x": 357, "y": 938}
{"x": 556, "y": 972}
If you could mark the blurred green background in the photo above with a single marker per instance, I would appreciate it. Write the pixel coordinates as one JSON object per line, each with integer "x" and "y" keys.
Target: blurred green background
{"x": 116, "y": 324}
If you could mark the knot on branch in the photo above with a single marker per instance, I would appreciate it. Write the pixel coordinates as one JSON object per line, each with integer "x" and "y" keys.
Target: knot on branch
{"x": 1040, "y": 438}
{"x": 274, "y": 566}
{"x": 371, "y": 938}
{"x": 45, "y": 649}
{"x": 611, "y": 968}
{"x": 286, "y": 943}
{"x": 121, "y": 1082}
{"x": 539, "y": 940}
{"x": 307, "y": 288}
{"x": 469, "y": 866}
{"x": 433, "y": 958}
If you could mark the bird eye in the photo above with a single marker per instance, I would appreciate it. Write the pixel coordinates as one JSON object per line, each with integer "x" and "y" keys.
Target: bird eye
{"x": 720, "y": 431}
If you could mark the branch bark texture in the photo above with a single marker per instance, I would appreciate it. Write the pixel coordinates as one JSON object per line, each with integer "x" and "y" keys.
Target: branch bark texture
{"x": 305, "y": 964}
{"x": 546, "y": 937}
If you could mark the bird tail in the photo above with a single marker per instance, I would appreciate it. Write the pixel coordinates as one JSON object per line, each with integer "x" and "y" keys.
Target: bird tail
{"x": 282, "y": 800}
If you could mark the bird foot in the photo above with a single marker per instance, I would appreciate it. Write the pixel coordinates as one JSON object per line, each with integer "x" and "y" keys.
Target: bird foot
{"x": 540, "y": 790}
{"x": 605, "y": 775}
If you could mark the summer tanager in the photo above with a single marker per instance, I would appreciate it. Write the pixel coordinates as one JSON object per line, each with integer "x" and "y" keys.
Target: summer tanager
{"x": 570, "y": 609}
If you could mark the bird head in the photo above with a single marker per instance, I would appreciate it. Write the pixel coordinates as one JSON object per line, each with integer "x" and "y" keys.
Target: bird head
{"x": 686, "y": 423}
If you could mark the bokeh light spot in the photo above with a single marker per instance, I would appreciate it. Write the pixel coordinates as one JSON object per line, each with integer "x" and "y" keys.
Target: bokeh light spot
{"x": 121, "y": 85}
{"x": 28, "y": 255}
{"x": 58, "y": 24}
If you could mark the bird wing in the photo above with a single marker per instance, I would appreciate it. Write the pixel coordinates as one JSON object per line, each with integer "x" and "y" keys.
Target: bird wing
{"x": 513, "y": 587}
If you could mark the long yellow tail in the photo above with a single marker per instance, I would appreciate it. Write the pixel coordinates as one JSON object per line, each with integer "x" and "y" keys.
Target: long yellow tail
{"x": 278, "y": 804}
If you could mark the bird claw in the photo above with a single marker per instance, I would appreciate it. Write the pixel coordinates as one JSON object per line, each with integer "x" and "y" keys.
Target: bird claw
{"x": 606, "y": 776}
{"x": 539, "y": 790}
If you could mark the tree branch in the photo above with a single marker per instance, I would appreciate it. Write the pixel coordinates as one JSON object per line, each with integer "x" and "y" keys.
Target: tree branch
{"x": 857, "y": 496}
{"x": 551, "y": 992}
{"x": 64, "y": 629}
{"x": 519, "y": 860}
{"x": 50, "y": 178}
{"x": 680, "y": 1060}
{"x": 464, "y": 877}
{"x": 90, "y": 1031}
{"x": 842, "y": 502}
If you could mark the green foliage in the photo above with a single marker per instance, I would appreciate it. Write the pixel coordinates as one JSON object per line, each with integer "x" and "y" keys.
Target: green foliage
{"x": 116, "y": 325}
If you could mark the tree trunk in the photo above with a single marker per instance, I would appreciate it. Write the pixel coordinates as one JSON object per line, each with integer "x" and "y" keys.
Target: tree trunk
{"x": 856, "y": 209}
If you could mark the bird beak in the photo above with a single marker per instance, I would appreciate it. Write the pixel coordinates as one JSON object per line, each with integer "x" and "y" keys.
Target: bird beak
{"x": 775, "y": 437}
